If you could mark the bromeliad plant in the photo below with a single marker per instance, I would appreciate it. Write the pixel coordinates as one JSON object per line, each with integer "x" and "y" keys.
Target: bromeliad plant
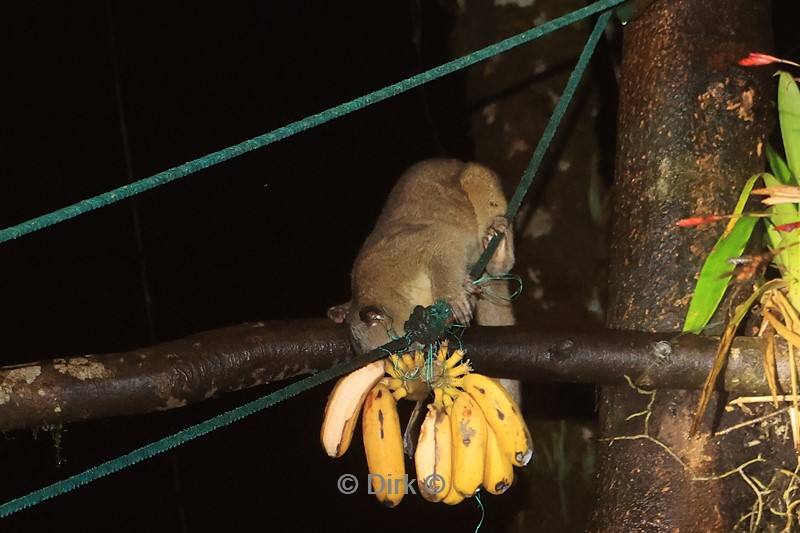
{"x": 725, "y": 267}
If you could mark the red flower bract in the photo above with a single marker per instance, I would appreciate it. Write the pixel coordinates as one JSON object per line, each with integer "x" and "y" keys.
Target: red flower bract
{"x": 696, "y": 221}
{"x": 756, "y": 59}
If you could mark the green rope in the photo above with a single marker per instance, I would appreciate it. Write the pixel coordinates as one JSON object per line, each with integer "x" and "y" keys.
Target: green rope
{"x": 192, "y": 432}
{"x": 483, "y": 510}
{"x": 549, "y": 132}
{"x": 436, "y": 312}
{"x": 486, "y": 290}
{"x": 220, "y": 156}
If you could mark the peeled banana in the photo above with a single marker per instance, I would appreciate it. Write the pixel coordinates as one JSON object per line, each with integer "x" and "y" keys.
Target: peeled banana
{"x": 344, "y": 406}
{"x": 383, "y": 445}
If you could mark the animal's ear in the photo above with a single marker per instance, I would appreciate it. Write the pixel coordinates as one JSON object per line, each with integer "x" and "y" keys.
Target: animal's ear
{"x": 338, "y": 313}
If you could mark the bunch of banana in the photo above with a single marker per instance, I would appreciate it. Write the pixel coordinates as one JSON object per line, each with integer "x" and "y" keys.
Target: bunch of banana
{"x": 472, "y": 436}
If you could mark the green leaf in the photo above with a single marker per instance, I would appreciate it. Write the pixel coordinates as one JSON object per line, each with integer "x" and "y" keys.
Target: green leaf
{"x": 713, "y": 280}
{"x": 788, "y": 259}
{"x": 779, "y": 167}
{"x": 789, "y": 113}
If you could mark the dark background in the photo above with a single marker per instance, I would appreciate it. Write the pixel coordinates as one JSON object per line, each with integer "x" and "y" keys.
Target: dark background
{"x": 269, "y": 235}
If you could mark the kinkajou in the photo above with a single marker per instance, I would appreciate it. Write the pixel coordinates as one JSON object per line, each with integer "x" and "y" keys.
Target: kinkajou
{"x": 432, "y": 230}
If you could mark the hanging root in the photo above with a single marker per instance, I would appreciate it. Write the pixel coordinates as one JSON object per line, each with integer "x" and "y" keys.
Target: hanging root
{"x": 778, "y": 498}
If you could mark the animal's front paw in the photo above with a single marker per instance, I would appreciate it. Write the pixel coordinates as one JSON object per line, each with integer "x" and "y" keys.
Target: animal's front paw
{"x": 462, "y": 311}
{"x": 503, "y": 258}
{"x": 462, "y": 305}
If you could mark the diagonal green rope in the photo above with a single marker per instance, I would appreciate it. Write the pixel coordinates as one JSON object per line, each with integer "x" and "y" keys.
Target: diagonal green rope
{"x": 544, "y": 142}
{"x": 202, "y": 428}
{"x": 225, "y": 154}
{"x": 192, "y": 432}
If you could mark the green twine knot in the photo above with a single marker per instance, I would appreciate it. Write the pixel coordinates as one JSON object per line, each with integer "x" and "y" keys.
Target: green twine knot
{"x": 428, "y": 325}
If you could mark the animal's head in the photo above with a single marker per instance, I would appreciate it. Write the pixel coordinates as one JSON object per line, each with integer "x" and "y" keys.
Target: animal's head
{"x": 370, "y": 326}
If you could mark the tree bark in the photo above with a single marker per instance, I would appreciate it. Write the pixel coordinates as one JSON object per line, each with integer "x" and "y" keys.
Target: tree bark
{"x": 561, "y": 229}
{"x": 185, "y": 371}
{"x": 690, "y": 124}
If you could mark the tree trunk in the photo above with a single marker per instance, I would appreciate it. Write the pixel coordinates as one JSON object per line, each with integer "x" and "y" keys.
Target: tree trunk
{"x": 690, "y": 126}
{"x": 560, "y": 238}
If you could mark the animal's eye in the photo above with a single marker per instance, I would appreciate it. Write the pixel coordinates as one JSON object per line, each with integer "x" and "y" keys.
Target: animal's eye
{"x": 371, "y": 315}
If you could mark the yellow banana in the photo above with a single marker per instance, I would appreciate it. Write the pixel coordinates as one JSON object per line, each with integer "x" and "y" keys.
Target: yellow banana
{"x": 383, "y": 445}
{"x": 469, "y": 444}
{"x": 406, "y": 372}
{"x": 498, "y": 473}
{"x": 503, "y": 416}
{"x": 453, "y": 497}
{"x": 344, "y": 404}
{"x": 433, "y": 456}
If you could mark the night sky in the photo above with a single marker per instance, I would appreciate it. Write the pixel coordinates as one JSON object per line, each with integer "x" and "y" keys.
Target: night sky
{"x": 269, "y": 235}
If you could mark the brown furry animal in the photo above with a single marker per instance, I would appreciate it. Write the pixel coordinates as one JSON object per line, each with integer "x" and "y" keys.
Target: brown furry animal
{"x": 434, "y": 227}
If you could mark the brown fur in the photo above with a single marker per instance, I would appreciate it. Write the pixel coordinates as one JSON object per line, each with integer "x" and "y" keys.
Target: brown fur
{"x": 433, "y": 228}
